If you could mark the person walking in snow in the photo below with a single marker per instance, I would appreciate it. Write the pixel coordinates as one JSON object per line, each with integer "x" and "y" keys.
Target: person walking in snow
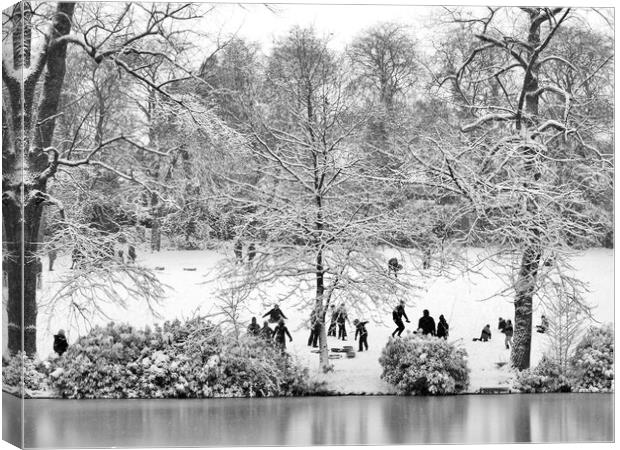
{"x": 266, "y": 333}
{"x": 253, "y": 328}
{"x": 331, "y": 331}
{"x": 238, "y": 252}
{"x": 275, "y": 314}
{"x": 341, "y": 320}
{"x": 485, "y": 335}
{"x": 394, "y": 267}
{"x": 501, "y": 326}
{"x": 60, "y": 342}
{"x": 397, "y": 316}
{"x": 442, "y": 328}
{"x": 279, "y": 334}
{"x": 426, "y": 323}
{"x": 508, "y": 331}
{"x": 315, "y": 327}
{"x": 360, "y": 329}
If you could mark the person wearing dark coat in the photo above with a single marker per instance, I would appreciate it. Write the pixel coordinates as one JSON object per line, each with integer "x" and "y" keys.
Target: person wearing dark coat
{"x": 544, "y": 325}
{"x": 315, "y": 328}
{"x": 508, "y": 331}
{"x": 485, "y": 335}
{"x": 397, "y": 316}
{"x": 131, "y": 253}
{"x": 360, "y": 329}
{"x": 442, "y": 328}
{"x": 394, "y": 267}
{"x": 501, "y": 325}
{"x": 279, "y": 334}
{"x": 60, "y": 342}
{"x": 238, "y": 252}
{"x": 426, "y": 323}
{"x": 251, "y": 252}
{"x": 266, "y": 333}
{"x": 275, "y": 314}
{"x": 331, "y": 331}
{"x": 253, "y": 328}
{"x": 341, "y": 318}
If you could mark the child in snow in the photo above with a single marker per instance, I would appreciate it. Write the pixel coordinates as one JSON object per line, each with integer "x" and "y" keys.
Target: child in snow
{"x": 279, "y": 334}
{"x": 275, "y": 314}
{"x": 544, "y": 325}
{"x": 442, "y": 328}
{"x": 394, "y": 267}
{"x": 360, "y": 329}
{"x": 508, "y": 331}
{"x": 253, "y": 328}
{"x": 485, "y": 335}
{"x": 501, "y": 325}
{"x": 397, "y": 316}
{"x": 60, "y": 342}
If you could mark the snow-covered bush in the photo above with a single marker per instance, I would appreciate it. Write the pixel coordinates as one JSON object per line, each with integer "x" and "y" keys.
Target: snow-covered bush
{"x": 423, "y": 365}
{"x": 545, "y": 377}
{"x": 34, "y": 379}
{"x": 192, "y": 359}
{"x": 592, "y": 364}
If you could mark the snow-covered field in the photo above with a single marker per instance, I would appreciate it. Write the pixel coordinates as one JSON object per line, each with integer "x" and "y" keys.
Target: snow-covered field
{"x": 459, "y": 300}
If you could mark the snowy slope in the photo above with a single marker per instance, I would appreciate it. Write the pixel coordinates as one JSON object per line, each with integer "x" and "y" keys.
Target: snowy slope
{"x": 459, "y": 300}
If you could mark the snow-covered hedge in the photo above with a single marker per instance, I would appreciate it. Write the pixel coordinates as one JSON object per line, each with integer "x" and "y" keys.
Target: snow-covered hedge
{"x": 545, "y": 377}
{"x": 423, "y": 365}
{"x": 592, "y": 365}
{"x": 192, "y": 359}
{"x": 34, "y": 377}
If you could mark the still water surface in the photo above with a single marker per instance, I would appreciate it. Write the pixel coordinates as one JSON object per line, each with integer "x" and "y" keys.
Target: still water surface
{"x": 317, "y": 420}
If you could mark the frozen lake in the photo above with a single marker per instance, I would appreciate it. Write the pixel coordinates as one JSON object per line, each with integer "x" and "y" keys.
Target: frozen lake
{"x": 312, "y": 420}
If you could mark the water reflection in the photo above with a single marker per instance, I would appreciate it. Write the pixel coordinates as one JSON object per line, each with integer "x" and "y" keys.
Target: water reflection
{"x": 318, "y": 421}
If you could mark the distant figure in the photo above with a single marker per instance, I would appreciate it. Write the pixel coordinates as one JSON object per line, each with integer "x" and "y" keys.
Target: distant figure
{"x": 485, "y": 335}
{"x": 121, "y": 256}
{"x": 60, "y": 342}
{"x": 275, "y": 314}
{"x": 131, "y": 253}
{"x": 426, "y": 323}
{"x": 279, "y": 333}
{"x": 341, "y": 318}
{"x": 38, "y": 268}
{"x": 508, "y": 331}
{"x": 51, "y": 255}
{"x": 426, "y": 260}
{"x": 238, "y": 252}
{"x": 397, "y": 316}
{"x": 253, "y": 328}
{"x": 544, "y": 325}
{"x": 266, "y": 333}
{"x": 360, "y": 329}
{"x": 77, "y": 257}
{"x": 394, "y": 267}
{"x": 331, "y": 331}
{"x": 251, "y": 252}
{"x": 501, "y": 326}
{"x": 442, "y": 328}
{"x": 315, "y": 327}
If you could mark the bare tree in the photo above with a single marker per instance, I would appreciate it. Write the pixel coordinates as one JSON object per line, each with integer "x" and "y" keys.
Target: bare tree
{"x": 525, "y": 134}
{"x": 36, "y": 42}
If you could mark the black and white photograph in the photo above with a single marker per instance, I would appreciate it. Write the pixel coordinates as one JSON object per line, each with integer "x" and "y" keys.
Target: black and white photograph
{"x": 299, "y": 224}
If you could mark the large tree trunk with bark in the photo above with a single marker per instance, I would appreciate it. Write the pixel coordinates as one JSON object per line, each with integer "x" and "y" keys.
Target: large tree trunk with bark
{"x": 27, "y": 168}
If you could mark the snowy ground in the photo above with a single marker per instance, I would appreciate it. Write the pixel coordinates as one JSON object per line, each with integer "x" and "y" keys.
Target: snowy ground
{"x": 459, "y": 300}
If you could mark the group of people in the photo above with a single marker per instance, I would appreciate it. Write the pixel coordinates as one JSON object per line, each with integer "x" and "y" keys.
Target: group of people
{"x": 239, "y": 252}
{"x": 278, "y": 334}
{"x": 506, "y": 327}
{"x": 426, "y": 323}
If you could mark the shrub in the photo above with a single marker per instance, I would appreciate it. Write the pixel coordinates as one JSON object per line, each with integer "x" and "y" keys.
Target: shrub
{"x": 34, "y": 377}
{"x": 192, "y": 359}
{"x": 592, "y": 364}
{"x": 422, "y": 365}
{"x": 545, "y": 377}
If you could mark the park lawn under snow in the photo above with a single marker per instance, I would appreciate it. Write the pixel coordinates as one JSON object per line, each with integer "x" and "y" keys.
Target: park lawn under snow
{"x": 458, "y": 299}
